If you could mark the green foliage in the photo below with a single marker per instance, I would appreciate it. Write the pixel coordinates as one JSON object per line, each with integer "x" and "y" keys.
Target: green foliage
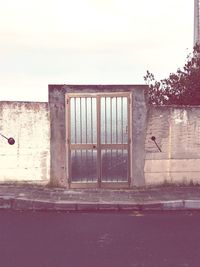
{"x": 180, "y": 88}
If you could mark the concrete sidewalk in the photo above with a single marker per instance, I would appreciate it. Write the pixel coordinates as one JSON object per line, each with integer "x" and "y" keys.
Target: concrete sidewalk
{"x": 32, "y": 197}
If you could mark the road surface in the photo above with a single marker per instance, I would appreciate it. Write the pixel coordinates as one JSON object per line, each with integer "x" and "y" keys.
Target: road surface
{"x": 51, "y": 239}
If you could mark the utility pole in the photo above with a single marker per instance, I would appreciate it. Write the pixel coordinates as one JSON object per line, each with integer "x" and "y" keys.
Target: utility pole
{"x": 196, "y": 22}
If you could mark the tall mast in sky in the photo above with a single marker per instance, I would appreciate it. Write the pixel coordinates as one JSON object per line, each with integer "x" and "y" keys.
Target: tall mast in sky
{"x": 196, "y": 21}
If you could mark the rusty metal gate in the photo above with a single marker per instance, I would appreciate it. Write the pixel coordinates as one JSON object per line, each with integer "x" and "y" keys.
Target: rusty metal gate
{"x": 98, "y": 139}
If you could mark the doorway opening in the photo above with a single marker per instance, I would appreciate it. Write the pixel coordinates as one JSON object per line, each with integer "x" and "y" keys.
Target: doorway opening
{"x": 98, "y": 139}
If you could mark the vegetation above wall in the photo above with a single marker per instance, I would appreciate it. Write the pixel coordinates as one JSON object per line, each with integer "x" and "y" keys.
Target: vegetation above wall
{"x": 180, "y": 88}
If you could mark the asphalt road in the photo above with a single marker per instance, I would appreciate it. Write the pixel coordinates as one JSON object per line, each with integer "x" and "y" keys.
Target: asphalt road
{"x": 50, "y": 239}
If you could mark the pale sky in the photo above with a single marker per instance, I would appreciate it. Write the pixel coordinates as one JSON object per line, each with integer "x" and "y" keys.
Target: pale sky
{"x": 89, "y": 42}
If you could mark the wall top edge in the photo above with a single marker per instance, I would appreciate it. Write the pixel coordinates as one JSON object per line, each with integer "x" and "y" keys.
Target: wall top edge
{"x": 174, "y": 106}
{"x": 95, "y": 86}
{"x": 22, "y": 102}
{"x": 92, "y": 85}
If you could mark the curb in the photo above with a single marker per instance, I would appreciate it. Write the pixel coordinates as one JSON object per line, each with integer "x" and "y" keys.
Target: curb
{"x": 22, "y": 204}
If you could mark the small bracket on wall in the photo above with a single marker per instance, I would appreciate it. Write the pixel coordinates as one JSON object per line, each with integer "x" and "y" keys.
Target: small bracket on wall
{"x": 153, "y": 138}
{"x": 11, "y": 140}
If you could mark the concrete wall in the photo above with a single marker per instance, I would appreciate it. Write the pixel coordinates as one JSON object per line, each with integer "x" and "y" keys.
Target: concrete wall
{"x": 139, "y": 123}
{"x": 28, "y": 159}
{"x": 177, "y": 132}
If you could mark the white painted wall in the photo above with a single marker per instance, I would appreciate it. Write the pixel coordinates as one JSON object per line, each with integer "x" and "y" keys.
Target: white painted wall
{"x": 28, "y": 159}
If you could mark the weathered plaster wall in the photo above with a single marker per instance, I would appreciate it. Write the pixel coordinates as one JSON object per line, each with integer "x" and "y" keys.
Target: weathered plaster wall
{"x": 177, "y": 132}
{"x": 28, "y": 159}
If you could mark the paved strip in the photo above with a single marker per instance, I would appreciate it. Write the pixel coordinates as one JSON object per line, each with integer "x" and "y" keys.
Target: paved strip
{"x": 32, "y": 204}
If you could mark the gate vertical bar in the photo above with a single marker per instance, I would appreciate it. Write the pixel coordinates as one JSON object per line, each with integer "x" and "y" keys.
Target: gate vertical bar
{"x": 116, "y": 128}
{"x": 86, "y": 127}
{"x": 116, "y": 122}
{"x": 111, "y": 129}
{"x": 75, "y": 119}
{"x": 99, "y": 140}
{"x": 91, "y": 128}
{"x": 111, "y": 120}
{"x": 91, "y": 117}
{"x": 68, "y": 140}
{"x": 105, "y": 121}
{"x": 81, "y": 134}
{"x": 86, "y": 120}
{"x": 129, "y": 104}
{"x": 122, "y": 117}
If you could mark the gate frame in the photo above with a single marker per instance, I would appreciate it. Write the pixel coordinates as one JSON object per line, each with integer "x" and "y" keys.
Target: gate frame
{"x": 99, "y": 183}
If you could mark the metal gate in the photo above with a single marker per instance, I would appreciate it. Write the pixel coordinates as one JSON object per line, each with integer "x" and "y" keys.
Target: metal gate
{"x": 98, "y": 139}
